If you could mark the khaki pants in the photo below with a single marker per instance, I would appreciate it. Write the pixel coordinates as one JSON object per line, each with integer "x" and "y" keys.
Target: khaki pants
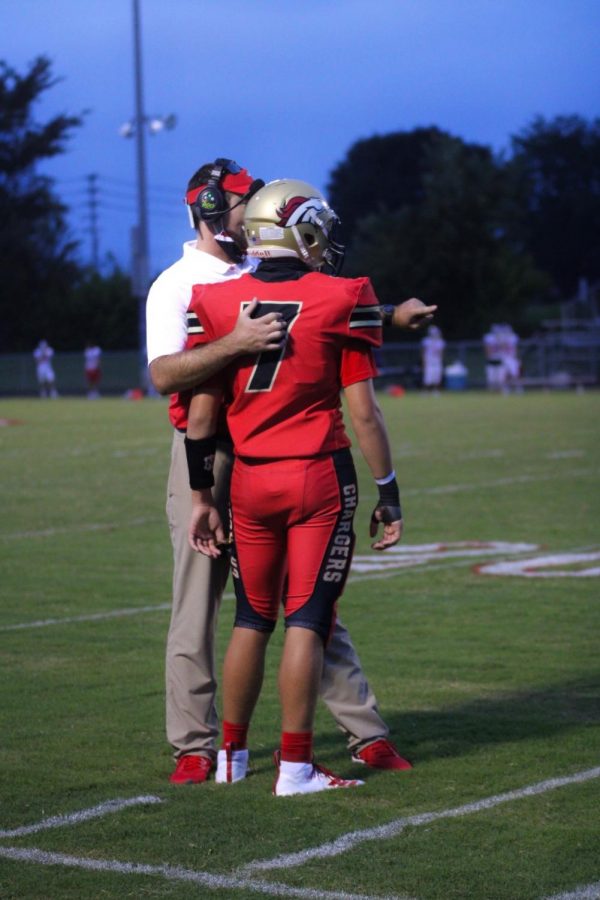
{"x": 198, "y": 585}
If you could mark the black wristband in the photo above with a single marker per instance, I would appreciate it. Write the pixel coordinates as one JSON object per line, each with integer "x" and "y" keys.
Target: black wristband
{"x": 387, "y": 314}
{"x": 389, "y": 493}
{"x": 389, "y": 502}
{"x": 200, "y": 455}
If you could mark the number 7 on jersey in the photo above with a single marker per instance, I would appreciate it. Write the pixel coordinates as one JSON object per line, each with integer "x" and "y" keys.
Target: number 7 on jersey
{"x": 264, "y": 373}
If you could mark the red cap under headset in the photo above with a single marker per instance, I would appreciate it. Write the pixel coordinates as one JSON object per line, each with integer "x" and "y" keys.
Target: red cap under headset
{"x": 240, "y": 184}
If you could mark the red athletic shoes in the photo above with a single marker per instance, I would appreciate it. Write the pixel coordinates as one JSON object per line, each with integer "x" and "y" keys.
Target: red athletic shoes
{"x": 191, "y": 770}
{"x": 381, "y": 754}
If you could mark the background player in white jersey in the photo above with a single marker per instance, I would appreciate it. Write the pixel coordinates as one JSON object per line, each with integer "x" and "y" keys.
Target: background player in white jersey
{"x": 509, "y": 356}
{"x": 44, "y": 369}
{"x": 91, "y": 368}
{"x": 493, "y": 359}
{"x": 432, "y": 358}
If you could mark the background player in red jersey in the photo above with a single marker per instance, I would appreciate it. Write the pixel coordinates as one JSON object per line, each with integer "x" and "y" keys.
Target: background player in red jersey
{"x": 294, "y": 490}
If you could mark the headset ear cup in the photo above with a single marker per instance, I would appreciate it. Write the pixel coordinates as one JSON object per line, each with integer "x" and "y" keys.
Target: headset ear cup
{"x": 211, "y": 203}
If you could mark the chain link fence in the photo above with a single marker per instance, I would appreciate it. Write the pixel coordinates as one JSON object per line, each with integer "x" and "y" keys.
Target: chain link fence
{"x": 554, "y": 361}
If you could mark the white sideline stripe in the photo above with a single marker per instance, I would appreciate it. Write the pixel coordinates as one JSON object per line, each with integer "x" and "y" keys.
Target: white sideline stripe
{"x": 585, "y": 892}
{"x": 177, "y": 873}
{"x": 84, "y": 815}
{"x": 89, "y": 526}
{"x": 383, "y": 832}
{"x": 409, "y": 492}
{"x": 135, "y": 610}
{"x": 497, "y": 482}
{"x": 91, "y": 617}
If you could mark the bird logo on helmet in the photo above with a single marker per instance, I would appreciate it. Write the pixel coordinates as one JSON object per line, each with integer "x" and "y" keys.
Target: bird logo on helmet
{"x": 292, "y": 218}
{"x": 299, "y": 209}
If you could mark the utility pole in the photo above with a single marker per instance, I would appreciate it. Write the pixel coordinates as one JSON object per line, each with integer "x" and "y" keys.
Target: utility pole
{"x": 93, "y": 215}
{"x": 140, "y": 273}
{"x": 140, "y": 269}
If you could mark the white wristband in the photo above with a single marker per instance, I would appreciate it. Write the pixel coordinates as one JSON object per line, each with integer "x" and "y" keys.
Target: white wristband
{"x": 387, "y": 478}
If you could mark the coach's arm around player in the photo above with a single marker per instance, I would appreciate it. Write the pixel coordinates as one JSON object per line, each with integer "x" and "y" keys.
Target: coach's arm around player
{"x": 371, "y": 434}
{"x": 187, "y": 368}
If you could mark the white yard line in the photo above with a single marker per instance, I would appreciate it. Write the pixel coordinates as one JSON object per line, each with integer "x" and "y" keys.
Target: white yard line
{"x": 383, "y": 832}
{"x": 244, "y": 881}
{"x": 137, "y": 610}
{"x": 177, "y": 873}
{"x": 84, "y": 815}
{"x": 408, "y": 492}
{"x": 70, "y": 529}
{"x": 496, "y": 482}
{"x": 583, "y": 892}
{"x": 90, "y": 617}
{"x": 160, "y": 607}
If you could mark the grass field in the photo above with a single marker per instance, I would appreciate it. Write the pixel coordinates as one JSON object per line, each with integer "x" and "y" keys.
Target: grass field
{"x": 489, "y": 682}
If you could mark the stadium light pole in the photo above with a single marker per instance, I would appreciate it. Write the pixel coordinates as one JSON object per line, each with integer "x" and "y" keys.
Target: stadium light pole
{"x": 140, "y": 275}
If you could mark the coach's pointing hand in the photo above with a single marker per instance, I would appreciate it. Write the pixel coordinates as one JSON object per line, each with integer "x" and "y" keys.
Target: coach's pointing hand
{"x": 412, "y": 314}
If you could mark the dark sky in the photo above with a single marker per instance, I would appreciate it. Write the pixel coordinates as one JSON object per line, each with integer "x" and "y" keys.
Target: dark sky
{"x": 286, "y": 87}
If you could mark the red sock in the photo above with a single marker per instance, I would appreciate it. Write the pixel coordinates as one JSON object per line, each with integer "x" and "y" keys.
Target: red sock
{"x": 235, "y": 734}
{"x": 296, "y": 746}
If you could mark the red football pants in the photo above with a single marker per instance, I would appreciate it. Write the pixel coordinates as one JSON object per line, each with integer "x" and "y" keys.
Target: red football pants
{"x": 293, "y": 539}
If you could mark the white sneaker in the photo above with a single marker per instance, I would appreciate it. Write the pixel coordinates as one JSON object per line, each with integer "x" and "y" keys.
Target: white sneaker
{"x": 232, "y": 765}
{"x": 306, "y": 778}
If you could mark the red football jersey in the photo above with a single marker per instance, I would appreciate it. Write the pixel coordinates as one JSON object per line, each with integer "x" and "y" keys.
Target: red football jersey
{"x": 286, "y": 403}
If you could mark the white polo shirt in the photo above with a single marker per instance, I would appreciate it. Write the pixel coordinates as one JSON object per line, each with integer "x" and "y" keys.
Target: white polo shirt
{"x": 171, "y": 293}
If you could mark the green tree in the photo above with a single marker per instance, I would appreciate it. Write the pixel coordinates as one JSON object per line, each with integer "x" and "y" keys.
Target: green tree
{"x": 381, "y": 174}
{"x": 457, "y": 243}
{"x": 37, "y": 258}
{"x": 558, "y": 164}
{"x": 99, "y": 308}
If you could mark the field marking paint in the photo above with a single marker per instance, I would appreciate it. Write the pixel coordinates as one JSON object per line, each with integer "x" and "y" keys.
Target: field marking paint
{"x": 90, "y": 617}
{"x": 585, "y": 892}
{"x": 84, "y": 815}
{"x": 496, "y": 482}
{"x": 483, "y": 454}
{"x": 411, "y": 555}
{"x": 177, "y": 873}
{"x": 383, "y": 573}
{"x": 240, "y": 881}
{"x": 533, "y": 567}
{"x": 383, "y": 832}
{"x": 69, "y": 529}
{"x": 409, "y": 492}
{"x": 375, "y": 566}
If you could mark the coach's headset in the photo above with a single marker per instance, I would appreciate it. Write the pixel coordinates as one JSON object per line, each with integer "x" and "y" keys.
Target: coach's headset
{"x": 211, "y": 205}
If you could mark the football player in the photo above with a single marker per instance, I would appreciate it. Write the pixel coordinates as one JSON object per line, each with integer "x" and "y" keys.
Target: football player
{"x": 294, "y": 489}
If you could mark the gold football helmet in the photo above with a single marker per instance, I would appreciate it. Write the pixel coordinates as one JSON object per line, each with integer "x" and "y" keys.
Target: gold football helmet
{"x": 292, "y": 218}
